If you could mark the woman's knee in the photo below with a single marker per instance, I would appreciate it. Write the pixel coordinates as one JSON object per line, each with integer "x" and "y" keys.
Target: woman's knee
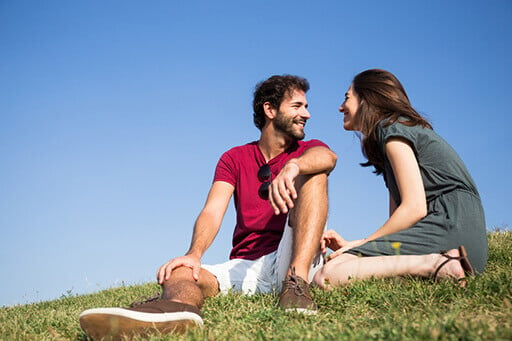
{"x": 321, "y": 278}
{"x": 334, "y": 269}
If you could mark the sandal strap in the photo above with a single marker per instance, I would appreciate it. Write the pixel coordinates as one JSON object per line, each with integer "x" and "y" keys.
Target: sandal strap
{"x": 448, "y": 258}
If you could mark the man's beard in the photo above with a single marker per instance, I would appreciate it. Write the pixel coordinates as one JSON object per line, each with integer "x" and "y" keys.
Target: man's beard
{"x": 285, "y": 125}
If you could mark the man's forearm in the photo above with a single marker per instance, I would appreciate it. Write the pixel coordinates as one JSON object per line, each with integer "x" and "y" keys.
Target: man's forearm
{"x": 205, "y": 230}
{"x": 315, "y": 160}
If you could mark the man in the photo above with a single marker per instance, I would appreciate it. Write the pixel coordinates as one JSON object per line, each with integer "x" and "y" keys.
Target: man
{"x": 271, "y": 177}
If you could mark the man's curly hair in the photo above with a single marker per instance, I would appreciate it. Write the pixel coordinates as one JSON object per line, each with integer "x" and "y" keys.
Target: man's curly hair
{"x": 274, "y": 90}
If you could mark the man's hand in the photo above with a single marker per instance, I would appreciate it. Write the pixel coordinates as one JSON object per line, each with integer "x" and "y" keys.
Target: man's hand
{"x": 164, "y": 272}
{"x": 282, "y": 190}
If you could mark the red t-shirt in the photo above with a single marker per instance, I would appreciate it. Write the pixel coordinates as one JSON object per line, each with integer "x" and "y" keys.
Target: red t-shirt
{"x": 258, "y": 230}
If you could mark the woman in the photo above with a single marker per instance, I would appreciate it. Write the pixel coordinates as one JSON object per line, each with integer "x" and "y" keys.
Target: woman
{"x": 434, "y": 203}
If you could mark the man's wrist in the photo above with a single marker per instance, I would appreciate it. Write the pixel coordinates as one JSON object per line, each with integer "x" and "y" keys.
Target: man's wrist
{"x": 194, "y": 254}
{"x": 294, "y": 162}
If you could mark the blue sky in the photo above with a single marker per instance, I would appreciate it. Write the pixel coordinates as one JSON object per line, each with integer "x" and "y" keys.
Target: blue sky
{"x": 113, "y": 115}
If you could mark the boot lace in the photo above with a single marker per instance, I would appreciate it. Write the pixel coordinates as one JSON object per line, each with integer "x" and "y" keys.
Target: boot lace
{"x": 297, "y": 284}
{"x": 145, "y": 299}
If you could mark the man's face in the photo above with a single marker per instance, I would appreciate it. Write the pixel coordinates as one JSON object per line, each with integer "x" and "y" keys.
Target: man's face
{"x": 292, "y": 115}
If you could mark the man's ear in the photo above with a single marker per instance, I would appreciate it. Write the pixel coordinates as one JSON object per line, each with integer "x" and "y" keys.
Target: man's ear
{"x": 270, "y": 111}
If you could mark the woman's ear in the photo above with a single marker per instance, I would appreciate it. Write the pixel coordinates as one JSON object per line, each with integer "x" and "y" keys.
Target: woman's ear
{"x": 270, "y": 112}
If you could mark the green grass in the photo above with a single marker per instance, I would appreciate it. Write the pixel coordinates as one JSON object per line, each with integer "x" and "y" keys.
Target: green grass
{"x": 389, "y": 309}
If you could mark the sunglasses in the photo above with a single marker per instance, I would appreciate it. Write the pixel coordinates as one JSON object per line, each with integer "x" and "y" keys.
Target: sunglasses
{"x": 264, "y": 175}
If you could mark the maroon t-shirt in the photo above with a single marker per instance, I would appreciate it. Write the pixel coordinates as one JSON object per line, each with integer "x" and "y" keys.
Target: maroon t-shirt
{"x": 258, "y": 230}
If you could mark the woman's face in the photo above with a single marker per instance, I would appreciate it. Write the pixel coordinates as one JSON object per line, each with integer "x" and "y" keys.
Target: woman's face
{"x": 349, "y": 108}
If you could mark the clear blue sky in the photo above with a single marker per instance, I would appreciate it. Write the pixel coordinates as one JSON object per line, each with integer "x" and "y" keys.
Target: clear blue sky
{"x": 113, "y": 115}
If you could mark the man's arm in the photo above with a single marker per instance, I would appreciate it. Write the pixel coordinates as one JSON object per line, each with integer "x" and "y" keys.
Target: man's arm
{"x": 314, "y": 160}
{"x": 205, "y": 229}
{"x": 209, "y": 220}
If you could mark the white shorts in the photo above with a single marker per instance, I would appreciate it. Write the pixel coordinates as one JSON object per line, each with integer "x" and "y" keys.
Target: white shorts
{"x": 262, "y": 275}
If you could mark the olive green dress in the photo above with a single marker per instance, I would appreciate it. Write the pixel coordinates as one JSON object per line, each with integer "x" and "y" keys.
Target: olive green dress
{"x": 455, "y": 215}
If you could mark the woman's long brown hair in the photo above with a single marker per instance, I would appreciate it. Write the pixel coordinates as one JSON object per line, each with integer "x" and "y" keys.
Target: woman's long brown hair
{"x": 381, "y": 97}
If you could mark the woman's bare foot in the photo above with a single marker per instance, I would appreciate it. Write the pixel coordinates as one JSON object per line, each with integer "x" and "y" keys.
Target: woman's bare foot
{"x": 449, "y": 266}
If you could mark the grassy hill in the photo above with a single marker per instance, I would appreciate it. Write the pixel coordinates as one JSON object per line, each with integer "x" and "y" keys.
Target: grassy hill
{"x": 388, "y": 309}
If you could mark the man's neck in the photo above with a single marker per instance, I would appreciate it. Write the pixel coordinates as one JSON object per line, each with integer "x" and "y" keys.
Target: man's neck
{"x": 272, "y": 144}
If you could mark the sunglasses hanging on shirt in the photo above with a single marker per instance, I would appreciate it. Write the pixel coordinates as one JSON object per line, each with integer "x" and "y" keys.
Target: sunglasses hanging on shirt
{"x": 264, "y": 175}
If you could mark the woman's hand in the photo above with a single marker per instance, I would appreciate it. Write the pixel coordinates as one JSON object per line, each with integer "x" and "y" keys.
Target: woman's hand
{"x": 347, "y": 246}
{"x": 332, "y": 240}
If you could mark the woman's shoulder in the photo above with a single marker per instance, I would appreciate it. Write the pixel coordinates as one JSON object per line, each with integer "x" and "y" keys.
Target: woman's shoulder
{"x": 400, "y": 125}
{"x": 404, "y": 129}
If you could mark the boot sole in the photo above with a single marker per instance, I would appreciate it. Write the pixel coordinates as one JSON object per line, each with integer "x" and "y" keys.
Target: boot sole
{"x": 302, "y": 311}
{"x": 116, "y": 323}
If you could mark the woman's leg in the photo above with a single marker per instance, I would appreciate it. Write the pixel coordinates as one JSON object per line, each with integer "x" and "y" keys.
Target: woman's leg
{"x": 347, "y": 267}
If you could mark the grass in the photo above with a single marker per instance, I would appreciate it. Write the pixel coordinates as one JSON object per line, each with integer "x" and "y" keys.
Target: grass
{"x": 386, "y": 309}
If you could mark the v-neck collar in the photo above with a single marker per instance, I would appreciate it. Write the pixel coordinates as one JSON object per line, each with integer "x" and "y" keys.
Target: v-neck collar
{"x": 276, "y": 158}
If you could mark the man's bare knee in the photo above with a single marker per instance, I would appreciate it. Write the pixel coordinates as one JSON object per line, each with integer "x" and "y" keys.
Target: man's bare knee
{"x": 208, "y": 283}
{"x": 182, "y": 286}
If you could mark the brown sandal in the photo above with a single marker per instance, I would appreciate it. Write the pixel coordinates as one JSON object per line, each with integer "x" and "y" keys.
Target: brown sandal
{"x": 464, "y": 262}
